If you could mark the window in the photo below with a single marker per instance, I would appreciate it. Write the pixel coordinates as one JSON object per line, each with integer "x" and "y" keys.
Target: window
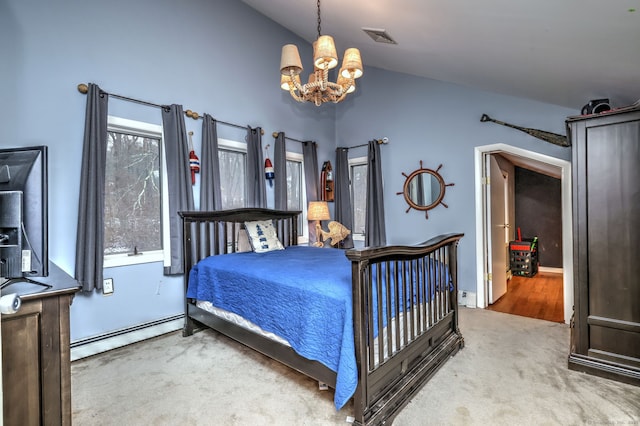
{"x": 296, "y": 192}
{"x": 233, "y": 165}
{"x": 134, "y": 193}
{"x": 358, "y": 174}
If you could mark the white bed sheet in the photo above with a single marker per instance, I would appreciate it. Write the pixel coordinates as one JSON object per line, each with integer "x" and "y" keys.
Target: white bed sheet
{"x": 248, "y": 325}
{"x": 240, "y": 321}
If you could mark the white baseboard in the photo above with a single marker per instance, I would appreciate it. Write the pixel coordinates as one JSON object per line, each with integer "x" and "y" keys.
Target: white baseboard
{"x": 550, "y": 270}
{"x": 106, "y": 342}
{"x": 467, "y": 298}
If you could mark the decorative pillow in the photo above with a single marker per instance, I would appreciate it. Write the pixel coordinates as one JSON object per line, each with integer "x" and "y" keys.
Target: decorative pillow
{"x": 242, "y": 239}
{"x": 263, "y": 236}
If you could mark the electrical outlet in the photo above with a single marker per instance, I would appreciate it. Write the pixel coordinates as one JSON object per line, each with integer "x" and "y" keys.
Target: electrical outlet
{"x": 107, "y": 286}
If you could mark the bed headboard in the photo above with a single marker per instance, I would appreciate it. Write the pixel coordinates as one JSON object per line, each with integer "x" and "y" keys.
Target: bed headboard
{"x": 218, "y": 230}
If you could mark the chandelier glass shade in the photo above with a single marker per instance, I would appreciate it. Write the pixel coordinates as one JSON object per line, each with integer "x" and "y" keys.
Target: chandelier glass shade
{"x": 318, "y": 89}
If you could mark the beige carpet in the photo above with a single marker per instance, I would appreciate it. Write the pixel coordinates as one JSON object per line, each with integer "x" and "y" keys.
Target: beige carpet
{"x": 512, "y": 371}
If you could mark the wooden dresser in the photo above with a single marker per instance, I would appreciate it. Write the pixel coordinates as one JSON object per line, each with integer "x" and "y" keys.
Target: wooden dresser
{"x": 36, "y": 366}
{"x": 605, "y": 334}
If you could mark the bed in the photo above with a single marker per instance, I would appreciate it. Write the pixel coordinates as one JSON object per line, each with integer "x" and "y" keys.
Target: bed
{"x": 374, "y": 324}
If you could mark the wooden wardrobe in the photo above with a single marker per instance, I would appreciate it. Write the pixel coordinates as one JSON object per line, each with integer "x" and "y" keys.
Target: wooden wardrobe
{"x": 605, "y": 334}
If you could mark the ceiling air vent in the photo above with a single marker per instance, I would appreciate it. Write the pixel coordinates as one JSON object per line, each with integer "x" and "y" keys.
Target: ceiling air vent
{"x": 379, "y": 36}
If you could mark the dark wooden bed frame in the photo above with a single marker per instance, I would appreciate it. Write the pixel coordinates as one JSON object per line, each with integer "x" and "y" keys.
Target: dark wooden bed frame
{"x": 385, "y": 387}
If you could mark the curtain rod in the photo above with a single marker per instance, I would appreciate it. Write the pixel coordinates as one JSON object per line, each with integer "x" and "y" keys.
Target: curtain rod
{"x": 275, "y": 135}
{"x": 195, "y": 116}
{"x": 84, "y": 89}
{"x": 382, "y": 141}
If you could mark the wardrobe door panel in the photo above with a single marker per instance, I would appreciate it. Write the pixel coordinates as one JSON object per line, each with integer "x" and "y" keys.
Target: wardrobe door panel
{"x": 618, "y": 342}
{"x": 613, "y": 212}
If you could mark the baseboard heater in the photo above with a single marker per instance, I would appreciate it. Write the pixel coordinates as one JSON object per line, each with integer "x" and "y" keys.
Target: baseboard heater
{"x": 115, "y": 339}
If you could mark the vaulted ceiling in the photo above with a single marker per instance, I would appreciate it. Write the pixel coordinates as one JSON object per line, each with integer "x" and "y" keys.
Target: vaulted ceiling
{"x": 560, "y": 52}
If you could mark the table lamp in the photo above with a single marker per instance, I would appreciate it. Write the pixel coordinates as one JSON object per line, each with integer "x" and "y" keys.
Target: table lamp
{"x": 318, "y": 210}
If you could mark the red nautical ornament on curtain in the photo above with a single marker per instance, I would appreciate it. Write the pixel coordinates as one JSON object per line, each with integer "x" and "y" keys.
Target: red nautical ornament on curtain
{"x": 268, "y": 169}
{"x": 194, "y": 161}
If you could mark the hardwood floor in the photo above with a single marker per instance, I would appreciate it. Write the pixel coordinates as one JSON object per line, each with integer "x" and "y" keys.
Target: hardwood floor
{"x": 537, "y": 297}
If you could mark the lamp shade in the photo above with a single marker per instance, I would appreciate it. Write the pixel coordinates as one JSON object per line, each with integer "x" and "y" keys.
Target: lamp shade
{"x": 290, "y": 60}
{"x": 324, "y": 53}
{"x": 318, "y": 210}
{"x": 343, "y": 81}
{"x": 352, "y": 63}
{"x": 285, "y": 81}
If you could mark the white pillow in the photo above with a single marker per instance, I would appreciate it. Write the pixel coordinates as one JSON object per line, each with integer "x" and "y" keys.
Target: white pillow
{"x": 242, "y": 242}
{"x": 263, "y": 236}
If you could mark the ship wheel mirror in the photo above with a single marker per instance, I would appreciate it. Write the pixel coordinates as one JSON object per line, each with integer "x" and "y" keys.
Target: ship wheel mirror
{"x": 424, "y": 189}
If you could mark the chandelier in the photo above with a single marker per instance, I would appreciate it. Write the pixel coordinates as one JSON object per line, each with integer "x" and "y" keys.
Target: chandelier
{"x": 319, "y": 89}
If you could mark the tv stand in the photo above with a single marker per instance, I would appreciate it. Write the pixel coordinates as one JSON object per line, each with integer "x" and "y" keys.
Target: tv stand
{"x": 18, "y": 281}
{"x": 36, "y": 355}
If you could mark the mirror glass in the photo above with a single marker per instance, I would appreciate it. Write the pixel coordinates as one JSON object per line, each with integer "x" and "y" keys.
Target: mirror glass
{"x": 424, "y": 189}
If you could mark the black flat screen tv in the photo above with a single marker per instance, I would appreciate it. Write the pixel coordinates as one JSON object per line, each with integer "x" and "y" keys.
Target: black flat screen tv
{"x": 23, "y": 213}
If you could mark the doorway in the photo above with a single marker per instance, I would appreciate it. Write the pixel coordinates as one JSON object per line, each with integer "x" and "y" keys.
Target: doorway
{"x": 533, "y": 161}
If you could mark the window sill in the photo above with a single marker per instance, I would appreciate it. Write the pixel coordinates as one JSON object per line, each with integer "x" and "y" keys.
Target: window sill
{"x": 115, "y": 260}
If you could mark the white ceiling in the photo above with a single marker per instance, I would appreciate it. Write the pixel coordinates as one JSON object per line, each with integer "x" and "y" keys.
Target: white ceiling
{"x": 563, "y": 52}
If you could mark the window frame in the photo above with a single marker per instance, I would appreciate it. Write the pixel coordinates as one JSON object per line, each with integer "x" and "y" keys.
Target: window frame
{"x": 231, "y": 145}
{"x": 124, "y": 125}
{"x": 353, "y": 162}
{"x": 303, "y": 233}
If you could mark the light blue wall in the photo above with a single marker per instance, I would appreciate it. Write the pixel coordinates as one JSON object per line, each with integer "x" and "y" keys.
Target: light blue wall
{"x": 221, "y": 57}
{"x": 214, "y": 56}
{"x": 438, "y": 123}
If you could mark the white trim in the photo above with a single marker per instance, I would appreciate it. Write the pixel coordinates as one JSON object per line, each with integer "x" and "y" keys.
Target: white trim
{"x": 123, "y": 259}
{"x": 567, "y": 221}
{"x": 550, "y": 270}
{"x": 303, "y": 234}
{"x": 138, "y": 127}
{"x": 356, "y": 161}
{"x": 294, "y": 156}
{"x": 232, "y": 145}
{"x": 166, "y": 226}
{"x": 124, "y": 337}
{"x": 156, "y": 131}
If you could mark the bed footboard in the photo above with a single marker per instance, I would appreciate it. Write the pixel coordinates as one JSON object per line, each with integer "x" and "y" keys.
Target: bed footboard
{"x": 405, "y": 322}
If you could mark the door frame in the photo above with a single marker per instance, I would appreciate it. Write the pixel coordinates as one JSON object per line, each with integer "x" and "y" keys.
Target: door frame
{"x": 481, "y": 221}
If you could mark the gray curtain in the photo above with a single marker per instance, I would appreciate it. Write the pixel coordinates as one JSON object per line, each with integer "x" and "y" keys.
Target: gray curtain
{"x": 256, "y": 190}
{"x": 310, "y": 159}
{"x": 343, "y": 209}
{"x": 375, "y": 233}
{"x": 210, "y": 195}
{"x": 280, "y": 168}
{"x": 90, "y": 235}
{"x": 178, "y": 180}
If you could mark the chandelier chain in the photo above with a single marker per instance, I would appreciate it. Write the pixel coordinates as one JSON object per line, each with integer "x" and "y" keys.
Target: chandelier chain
{"x": 318, "y": 18}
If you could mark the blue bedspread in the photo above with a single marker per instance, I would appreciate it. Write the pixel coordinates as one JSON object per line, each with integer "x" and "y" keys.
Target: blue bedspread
{"x": 302, "y": 294}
